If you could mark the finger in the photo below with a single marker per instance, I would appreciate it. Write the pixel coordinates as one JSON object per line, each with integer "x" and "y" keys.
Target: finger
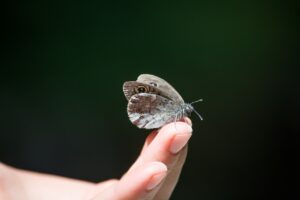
{"x": 171, "y": 180}
{"x": 152, "y": 135}
{"x": 103, "y": 185}
{"x": 102, "y": 190}
{"x": 141, "y": 182}
{"x": 165, "y": 146}
{"x": 149, "y": 139}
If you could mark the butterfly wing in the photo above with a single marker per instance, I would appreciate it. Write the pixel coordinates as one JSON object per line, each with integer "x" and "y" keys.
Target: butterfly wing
{"x": 166, "y": 88}
{"x": 151, "y": 111}
{"x": 131, "y": 88}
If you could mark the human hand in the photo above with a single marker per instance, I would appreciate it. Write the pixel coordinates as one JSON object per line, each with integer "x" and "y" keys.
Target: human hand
{"x": 153, "y": 176}
{"x": 155, "y": 173}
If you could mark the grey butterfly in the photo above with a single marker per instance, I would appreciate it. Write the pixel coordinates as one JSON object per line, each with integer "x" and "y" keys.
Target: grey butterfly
{"x": 153, "y": 102}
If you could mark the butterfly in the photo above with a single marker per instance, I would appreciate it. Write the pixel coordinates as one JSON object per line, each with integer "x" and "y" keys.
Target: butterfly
{"x": 153, "y": 102}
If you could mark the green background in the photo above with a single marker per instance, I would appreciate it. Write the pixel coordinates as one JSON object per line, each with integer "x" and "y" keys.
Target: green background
{"x": 63, "y": 110}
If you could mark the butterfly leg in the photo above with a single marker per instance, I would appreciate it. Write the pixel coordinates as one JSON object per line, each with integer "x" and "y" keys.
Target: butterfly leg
{"x": 175, "y": 120}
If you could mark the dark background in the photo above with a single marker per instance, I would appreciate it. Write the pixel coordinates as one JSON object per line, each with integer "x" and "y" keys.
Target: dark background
{"x": 63, "y": 110}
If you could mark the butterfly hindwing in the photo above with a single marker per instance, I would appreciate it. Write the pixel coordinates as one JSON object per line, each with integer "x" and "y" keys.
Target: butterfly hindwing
{"x": 151, "y": 111}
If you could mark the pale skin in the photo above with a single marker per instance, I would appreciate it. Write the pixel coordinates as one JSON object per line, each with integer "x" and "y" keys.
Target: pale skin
{"x": 153, "y": 176}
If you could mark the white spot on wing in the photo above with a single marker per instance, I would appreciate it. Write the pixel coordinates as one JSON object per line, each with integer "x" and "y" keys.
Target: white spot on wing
{"x": 134, "y": 98}
{"x": 134, "y": 116}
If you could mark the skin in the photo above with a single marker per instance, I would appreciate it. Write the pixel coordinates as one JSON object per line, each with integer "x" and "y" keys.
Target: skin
{"x": 153, "y": 176}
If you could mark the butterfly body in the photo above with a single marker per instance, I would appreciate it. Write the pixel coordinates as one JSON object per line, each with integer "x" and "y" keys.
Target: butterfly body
{"x": 152, "y": 102}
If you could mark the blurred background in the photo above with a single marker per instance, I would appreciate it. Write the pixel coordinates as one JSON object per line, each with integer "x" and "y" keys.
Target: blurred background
{"x": 63, "y": 110}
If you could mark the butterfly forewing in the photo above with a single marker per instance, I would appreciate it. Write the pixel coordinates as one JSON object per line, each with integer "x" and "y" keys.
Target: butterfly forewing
{"x": 131, "y": 88}
{"x": 151, "y": 111}
{"x": 167, "y": 90}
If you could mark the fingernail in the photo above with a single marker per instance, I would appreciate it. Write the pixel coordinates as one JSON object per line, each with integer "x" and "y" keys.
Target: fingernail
{"x": 156, "y": 180}
{"x": 188, "y": 121}
{"x": 179, "y": 141}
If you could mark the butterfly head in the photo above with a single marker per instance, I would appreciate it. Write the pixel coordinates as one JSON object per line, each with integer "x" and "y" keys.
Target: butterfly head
{"x": 189, "y": 109}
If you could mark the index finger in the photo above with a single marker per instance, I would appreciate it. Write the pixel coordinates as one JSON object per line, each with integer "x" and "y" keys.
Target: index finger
{"x": 165, "y": 146}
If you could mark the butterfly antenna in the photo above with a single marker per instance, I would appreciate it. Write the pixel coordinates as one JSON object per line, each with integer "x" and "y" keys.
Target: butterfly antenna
{"x": 201, "y": 118}
{"x": 196, "y": 101}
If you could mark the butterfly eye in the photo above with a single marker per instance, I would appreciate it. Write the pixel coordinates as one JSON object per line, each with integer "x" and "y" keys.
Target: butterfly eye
{"x": 153, "y": 84}
{"x": 141, "y": 89}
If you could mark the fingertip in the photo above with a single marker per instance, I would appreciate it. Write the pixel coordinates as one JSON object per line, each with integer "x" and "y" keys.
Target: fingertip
{"x": 188, "y": 121}
{"x": 141, "y": 180}
{"x": 177, "y": 128}
{"x": 155, "y": 181}
{"x": 157, "y": 172}
{"x": 157, "y": 167}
